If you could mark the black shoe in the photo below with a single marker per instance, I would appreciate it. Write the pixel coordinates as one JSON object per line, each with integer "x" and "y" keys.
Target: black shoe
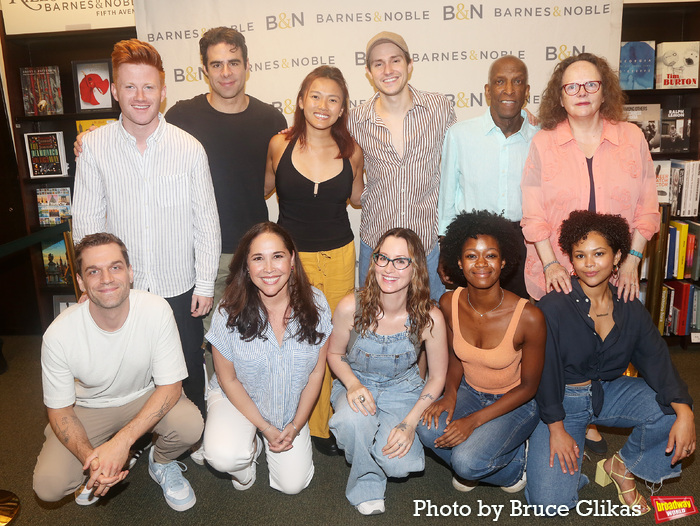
{"x": 599, "y": 447}
{"x": 327, "y": 446}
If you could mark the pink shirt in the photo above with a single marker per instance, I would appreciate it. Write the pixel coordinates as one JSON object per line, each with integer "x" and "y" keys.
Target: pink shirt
{"x": 555, "y": 182}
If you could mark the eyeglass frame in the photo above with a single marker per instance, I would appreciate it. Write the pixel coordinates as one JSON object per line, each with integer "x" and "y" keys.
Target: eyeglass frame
{"x": 578, "y": 90}
{"x": 377, "y": 255}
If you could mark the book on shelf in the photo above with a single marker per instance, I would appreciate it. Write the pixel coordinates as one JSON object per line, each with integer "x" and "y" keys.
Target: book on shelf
{"x": 675, "y": 130}
{"x": 671, "y": 261}
{"x": 663, "y": 180}
{"x": 677, "y": 65}
{"x": 661, "y": 321}
{"x": 681, "y": 245}
{"x": 85, "y": 124}
{"x": 637, "y": 60}
{"x": 669, "y": 310}
{"x": 694, "y": 229}
{"x": 648, "y": 118}
{"x": 56, "y": 263}
{"x": 41, "y": 90}
{"x": 690, "y": 250}
{"x": 681, "y": 302}
{"x": 46, "y": 154}
{"x": 53, "y": 205}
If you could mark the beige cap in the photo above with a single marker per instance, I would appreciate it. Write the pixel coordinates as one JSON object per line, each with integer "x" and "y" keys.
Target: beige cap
{"x": 382, "y": 38}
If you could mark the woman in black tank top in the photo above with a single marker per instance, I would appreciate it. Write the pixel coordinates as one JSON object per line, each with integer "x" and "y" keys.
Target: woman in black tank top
{"x": 315, "y": 168}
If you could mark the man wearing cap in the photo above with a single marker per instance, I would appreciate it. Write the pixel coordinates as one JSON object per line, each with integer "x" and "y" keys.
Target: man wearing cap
{"x": 483, "y": 158}
{"x": 401, "y": 131}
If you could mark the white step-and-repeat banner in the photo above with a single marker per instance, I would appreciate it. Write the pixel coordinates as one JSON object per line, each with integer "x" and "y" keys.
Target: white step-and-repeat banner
{"x": 452, "y": 44}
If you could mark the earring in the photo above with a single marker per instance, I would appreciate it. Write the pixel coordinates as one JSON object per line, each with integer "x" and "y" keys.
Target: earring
{"x": 616, "y": 269}
{"x": 573, "y": 273}
{"x": 292, "y": 267}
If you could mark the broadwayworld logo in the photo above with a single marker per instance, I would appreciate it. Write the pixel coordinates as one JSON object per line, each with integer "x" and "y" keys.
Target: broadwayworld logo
{"x": 669, "y": 508}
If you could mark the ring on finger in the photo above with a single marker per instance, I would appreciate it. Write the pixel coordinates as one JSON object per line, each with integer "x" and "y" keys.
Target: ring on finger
{"x": 400, "y": 444}
{"x": 361, "y": 398}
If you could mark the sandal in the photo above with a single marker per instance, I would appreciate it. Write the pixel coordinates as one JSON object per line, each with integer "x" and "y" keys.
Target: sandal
{"x": 603, "y": 478}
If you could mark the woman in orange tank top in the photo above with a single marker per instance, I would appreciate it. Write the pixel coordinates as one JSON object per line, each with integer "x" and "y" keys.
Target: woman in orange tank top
{"x": 480, "y": 425}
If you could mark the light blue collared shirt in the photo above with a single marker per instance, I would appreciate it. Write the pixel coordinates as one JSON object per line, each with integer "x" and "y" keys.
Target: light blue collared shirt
{"x": 274, "y": 376}
{"x": 481, "y": 169}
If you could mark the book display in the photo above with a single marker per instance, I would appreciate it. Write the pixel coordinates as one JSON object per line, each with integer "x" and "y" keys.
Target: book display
{"x": 671, "y": 266}
{"x": 53, "y": 205}
{"x": 637, "y": 61}
{"x": 44, "y": 72}
{"x": 41, "y": 90}
{"x": 677, "y": 65}
{"x": 46, "y": 154}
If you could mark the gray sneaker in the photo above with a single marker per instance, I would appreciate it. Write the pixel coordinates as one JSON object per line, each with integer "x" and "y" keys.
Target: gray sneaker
{"x": 177, "y": 491}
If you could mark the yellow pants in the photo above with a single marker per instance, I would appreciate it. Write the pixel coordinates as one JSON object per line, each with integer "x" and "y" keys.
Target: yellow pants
{"x": 333, "y": 273}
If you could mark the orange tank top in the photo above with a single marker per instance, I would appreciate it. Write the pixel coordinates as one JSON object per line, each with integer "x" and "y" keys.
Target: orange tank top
{"x": 494, "y": 371}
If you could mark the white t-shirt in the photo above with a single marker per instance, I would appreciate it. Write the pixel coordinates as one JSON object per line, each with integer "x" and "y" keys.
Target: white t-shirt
{"x": 90, "y": 367}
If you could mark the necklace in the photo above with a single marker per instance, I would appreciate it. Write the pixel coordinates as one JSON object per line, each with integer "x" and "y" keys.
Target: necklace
{"x": 601, "y": 315}
{"x": 606, "y": 312}
{"x": 482, "y": 315}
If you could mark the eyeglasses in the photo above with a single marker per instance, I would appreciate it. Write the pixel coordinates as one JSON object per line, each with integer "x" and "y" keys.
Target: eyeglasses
{"x": 591, "y": 86}
{"x": 399, "y": 263}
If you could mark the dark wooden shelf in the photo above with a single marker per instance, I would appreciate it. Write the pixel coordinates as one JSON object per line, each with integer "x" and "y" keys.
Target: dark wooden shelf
{"x": 104, "y": 114}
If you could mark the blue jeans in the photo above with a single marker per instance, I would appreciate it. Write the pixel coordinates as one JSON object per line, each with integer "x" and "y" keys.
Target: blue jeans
{"x": 437, "y": 289}
{"x": 628, "y": 402}
{"x": 495, "y": 451}
{"x": 386, "y": 366}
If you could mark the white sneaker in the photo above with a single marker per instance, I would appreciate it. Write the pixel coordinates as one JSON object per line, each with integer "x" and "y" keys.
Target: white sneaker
{"x": 177, "y": 491}
{"x": 518, "y": 486}
{"x": 197, "y": 456}
{"x": 463, "y": 485}
{"x": 371, "y": 507}
{"x": 258, "y": 449}
{"x": 85, "y": 496}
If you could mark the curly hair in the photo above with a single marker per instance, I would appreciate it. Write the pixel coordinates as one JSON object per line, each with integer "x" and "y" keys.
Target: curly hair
{"x": 614, "y": 229}
{"x": 470, "y": 225}
{"x": 241, "y": 299}
{"x": 552, "y": 112}
{"x": 418, "y": 302}
{"x": 339, "y": 130}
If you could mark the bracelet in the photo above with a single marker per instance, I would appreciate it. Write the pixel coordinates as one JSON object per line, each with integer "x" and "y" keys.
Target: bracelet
{"x": 264, "y": 430}
{"x": 636, "y": 253}
{"x": 295, "y": 427}
{"x": 544, "y": 269}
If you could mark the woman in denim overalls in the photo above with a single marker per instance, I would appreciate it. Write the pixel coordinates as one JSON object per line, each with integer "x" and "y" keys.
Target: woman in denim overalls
{"x": 379, "y": 394}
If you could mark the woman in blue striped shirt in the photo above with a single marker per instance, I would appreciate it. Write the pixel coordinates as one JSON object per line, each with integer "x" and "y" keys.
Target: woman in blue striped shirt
{"x": 268, "y": 337}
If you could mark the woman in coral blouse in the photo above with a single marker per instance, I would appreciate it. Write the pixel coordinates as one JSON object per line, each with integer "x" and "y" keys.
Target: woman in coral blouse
{"x": 586, "y": 157}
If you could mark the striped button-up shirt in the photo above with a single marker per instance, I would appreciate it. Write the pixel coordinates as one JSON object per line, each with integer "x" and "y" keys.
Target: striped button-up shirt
{"x": 274, "y": 376}
{"x": 402, "y": 191}
{"x": 160, "y": 204}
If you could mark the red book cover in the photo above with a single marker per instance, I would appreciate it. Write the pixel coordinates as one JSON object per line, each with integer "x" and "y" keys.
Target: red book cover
{"x": 680, "y": 301}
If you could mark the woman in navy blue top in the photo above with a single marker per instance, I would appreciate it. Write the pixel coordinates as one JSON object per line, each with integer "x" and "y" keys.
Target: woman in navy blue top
{"x": 592, "y": 336}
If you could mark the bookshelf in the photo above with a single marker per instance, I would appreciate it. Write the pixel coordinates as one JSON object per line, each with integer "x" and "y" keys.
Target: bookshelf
{"x": 50, "y": 49}
{"x": 664, "y": 22}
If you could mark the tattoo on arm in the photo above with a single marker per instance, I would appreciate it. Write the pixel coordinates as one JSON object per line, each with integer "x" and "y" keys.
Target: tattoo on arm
{"x": 167, "y": 405}
{"x": 427, "y": 396}
{"x": 402, "y": 426}
{"x": 344, "y": 358}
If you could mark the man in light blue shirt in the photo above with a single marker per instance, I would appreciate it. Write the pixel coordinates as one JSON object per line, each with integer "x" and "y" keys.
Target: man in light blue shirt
{"x": 483, "y": 157}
